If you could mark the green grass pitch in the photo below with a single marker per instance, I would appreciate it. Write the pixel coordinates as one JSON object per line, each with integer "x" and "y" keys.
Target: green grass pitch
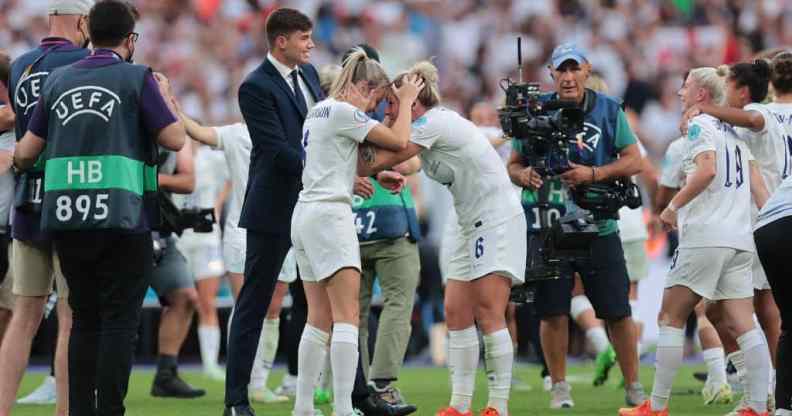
{"x": 428, "y": 388}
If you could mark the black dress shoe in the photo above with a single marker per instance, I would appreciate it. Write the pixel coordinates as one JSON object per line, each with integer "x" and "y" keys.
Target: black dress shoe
{"x": 241, "y": 410}
{"x": 374, "y": 406}
{"x": 167, "y": 383}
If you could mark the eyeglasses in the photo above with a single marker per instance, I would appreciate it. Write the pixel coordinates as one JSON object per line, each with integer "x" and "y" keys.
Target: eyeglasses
{"x": 135, "y": 36}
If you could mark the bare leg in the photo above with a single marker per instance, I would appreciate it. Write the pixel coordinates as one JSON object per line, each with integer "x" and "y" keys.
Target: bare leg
{"x": 176, "y": 319}
{"x": 25, "y": 321}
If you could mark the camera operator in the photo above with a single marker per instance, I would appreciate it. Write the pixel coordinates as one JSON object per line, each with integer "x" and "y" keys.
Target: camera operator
{"x": 606, "y": 149}
{"x": 99, "y": 119}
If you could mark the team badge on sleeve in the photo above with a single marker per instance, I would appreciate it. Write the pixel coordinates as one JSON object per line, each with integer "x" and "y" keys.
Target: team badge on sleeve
{"x": 694, "y": 132}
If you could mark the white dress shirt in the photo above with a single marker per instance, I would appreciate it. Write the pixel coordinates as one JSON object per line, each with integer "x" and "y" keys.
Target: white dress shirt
{"x": 285, "y": 72}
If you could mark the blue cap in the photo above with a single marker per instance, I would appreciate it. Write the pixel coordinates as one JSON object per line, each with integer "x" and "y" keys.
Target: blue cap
{"x": 565, "y": 52}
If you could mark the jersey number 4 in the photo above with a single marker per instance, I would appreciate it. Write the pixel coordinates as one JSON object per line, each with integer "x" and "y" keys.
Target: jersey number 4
{"x": 738, "y": 168}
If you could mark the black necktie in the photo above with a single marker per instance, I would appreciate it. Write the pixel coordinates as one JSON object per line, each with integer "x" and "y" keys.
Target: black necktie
{"x": 298, "y": 93}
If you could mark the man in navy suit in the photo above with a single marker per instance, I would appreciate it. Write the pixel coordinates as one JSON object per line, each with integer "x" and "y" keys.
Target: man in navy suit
{"x": 274, "y": 100}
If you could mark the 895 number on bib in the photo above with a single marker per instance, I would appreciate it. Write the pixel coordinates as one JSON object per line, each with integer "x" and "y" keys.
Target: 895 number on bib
{"x": 84, "y": 206}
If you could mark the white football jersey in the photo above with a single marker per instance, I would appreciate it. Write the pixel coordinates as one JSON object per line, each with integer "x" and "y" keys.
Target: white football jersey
{"x": 720, "y": 216}
{"x": 459, "y": 156}
{"x": 210, "y": 176}
{"x": 234, "y": 141}
{"x": 671, "y": 170}
{"x": 331, "y": 135}
{"x": 772, "y": 146}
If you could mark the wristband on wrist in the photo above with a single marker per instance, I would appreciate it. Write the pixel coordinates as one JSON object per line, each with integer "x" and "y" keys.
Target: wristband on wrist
{"x": 593, "y": 174}
{"x": 671, "y": 207}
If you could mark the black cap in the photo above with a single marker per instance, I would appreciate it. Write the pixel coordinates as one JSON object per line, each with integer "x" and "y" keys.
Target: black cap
{"x": 370, "y": 52}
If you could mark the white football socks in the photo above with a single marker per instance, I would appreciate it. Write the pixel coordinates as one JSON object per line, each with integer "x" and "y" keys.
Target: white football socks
{"x": 499, "y": 356}
{"x": 670, "y": 345}
{"x": 344, "y": 361}
{"x": 310, "y": 361}
{"x": 463, "y": 358}
{"x": 716, "y": 365}
{"x": 757, "y": 368}
{"x": 209, "y": 341}
{"x": 265, "y": 353}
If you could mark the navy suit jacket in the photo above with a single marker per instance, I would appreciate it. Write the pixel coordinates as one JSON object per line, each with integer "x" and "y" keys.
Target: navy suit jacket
{"x": 275, "y": 122}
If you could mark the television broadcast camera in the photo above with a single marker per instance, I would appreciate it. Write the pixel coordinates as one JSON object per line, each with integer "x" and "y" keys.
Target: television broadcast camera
{"x": 548, "y": 130}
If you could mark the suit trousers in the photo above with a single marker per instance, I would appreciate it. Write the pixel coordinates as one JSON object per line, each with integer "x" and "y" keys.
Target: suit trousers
{"x": 263, "y": 261}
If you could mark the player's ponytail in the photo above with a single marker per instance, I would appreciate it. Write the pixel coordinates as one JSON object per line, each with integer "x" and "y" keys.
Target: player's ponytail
{"x": 358, "y": 67}
{"x": 781, "y": 74}
{"x": 755, "y": 76}
{"x": 711, "y": 80}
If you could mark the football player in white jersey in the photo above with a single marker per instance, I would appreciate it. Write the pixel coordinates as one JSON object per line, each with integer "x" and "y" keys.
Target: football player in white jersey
{"x": 203, "y": 251}
{"x": 234, "y": 141}
{"x": 767, "y": 131}
{"x": 488, "y": 251}
{"x": 323, "y": 230}
{"x": 716, "y": 249}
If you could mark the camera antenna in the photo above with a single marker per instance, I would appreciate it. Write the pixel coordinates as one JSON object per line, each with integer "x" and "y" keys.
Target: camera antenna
{"x": 519, "y": 59}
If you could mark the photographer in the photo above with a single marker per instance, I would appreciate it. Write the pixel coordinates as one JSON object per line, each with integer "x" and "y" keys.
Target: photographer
{"x": 605, "y": 150}
{"x": 99, "y": 201}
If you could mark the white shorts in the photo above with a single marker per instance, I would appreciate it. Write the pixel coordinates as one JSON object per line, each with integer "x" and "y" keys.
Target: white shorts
{"x": 288, "y": 273}
{"x": 760, "y": 281}
{"x": 234, "y": 248}
{"x": 324, "y": 238}
{"x": 715, "y": 273}
{"x": 499, "y": 249}
{"x": 636, "y": 260}
{"x": 204, "y": 261}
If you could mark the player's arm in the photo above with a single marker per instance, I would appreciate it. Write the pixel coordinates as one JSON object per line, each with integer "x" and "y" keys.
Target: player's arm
{"x": 750, "y": 119}
{"x": 183, "y": 179}
{"x": 396, "y": 137}
{"x": 372, "y": 159}
{"x": 409, "y": 167}
{"x": 698, "y": 181}
{"x": 203, "y": 134}
{"x": 758, "y": 188}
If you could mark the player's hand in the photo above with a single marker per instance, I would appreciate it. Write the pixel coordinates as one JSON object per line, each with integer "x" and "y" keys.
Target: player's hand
{"x": 530, "y": 179}
{"x": 578, "y": 175}
{"x": 654, "y": 226}
{"x": 411, "y": 86}
{"x": 363, "y": 187}
{"x": 669, "y": 219}
{"x": 392, "y": 180}
{"x": 689, "y": 114}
